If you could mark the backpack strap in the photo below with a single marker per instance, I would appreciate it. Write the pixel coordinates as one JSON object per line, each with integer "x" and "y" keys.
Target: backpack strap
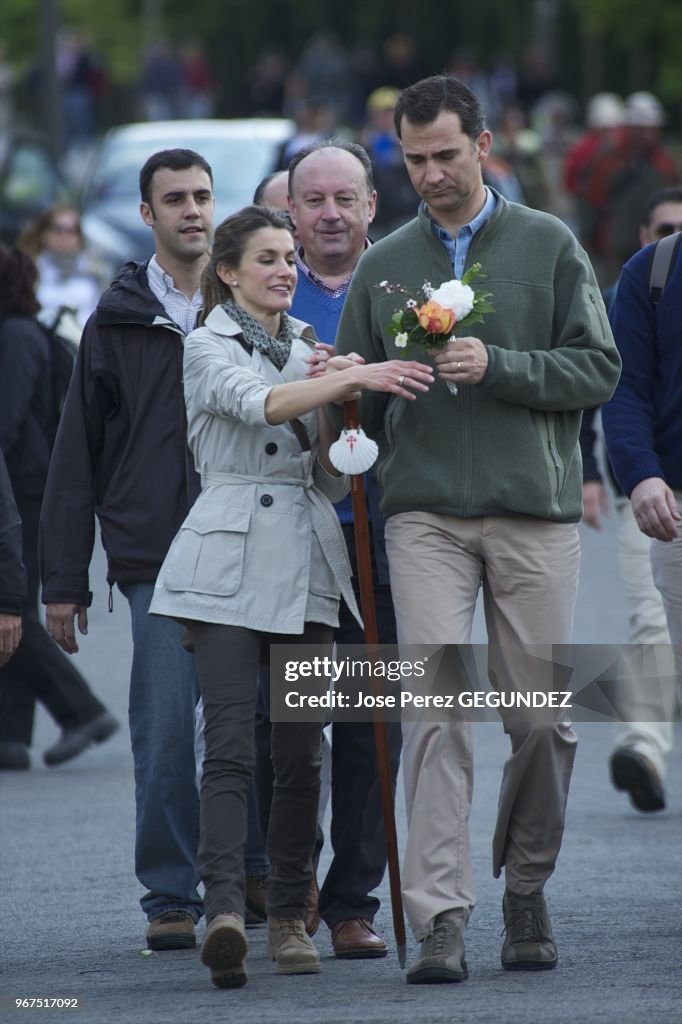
{"x": 662, "y": 261}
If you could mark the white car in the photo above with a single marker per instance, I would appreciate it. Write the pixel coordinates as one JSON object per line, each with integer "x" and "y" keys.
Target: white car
{"x": 241, "y": 153}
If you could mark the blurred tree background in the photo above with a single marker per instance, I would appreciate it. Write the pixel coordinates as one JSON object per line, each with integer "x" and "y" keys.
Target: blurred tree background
{"x": 621, "y": 45}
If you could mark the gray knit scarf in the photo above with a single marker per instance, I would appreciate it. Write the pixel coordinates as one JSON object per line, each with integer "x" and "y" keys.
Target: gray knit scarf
{"x": 276, "y": 349}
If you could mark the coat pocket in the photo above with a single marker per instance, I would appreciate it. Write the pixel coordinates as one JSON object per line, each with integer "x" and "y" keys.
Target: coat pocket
{"x": 207, "y": 556}
{"x": 322, "y": 581}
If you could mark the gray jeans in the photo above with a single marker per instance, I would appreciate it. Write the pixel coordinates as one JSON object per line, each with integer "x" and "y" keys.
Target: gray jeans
{"x": 227, "y": 662}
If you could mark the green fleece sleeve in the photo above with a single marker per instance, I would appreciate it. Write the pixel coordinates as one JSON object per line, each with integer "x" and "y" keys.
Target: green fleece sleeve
{"x": 580, "y": 366}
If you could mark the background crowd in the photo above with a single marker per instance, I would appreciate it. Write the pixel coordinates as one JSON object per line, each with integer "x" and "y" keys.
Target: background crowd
{"x": 592, "y": 160}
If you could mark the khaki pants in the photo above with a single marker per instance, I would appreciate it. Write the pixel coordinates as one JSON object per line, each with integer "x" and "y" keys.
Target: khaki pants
{"x": 648, "y": 689}
{"x": 666, "y": 566}
{"x": 528, "y": 570}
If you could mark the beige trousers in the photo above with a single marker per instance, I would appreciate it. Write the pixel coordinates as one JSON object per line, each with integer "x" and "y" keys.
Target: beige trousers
{"x": 666, "y": 566}
{"x": 649, "y": 671}
{"x": 528, "y": 569}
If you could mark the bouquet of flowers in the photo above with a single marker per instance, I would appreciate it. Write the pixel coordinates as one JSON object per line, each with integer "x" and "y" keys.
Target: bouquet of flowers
{"x": 431, "y": 324}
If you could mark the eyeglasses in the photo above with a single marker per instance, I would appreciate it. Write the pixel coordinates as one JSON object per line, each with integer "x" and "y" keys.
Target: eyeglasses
{"x": 65, "y": 229}
{"x": 286, "y": 216}
{"x": 666, "y": 229}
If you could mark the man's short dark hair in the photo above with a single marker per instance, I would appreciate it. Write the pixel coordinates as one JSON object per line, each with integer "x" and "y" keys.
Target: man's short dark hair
{"x": 171, "y": 160}
{"x": 422, "y": 102}
{"x": 672, "y": 194}
{"x": 359, "y": 152}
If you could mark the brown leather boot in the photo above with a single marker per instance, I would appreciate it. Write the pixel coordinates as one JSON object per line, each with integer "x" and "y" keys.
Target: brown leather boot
{"x": 172, "y": 930}
{"x": 311, "y": 912}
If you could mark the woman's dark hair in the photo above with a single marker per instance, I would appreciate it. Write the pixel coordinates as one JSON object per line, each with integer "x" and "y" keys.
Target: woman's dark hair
{"x": 18, "y": 276}
{"x": 230, "y": 241}
{"x": 422, "y": 102}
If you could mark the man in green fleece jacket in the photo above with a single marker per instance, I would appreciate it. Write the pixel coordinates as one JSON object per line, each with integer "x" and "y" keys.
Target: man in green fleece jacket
{"x": 482, "y": 489}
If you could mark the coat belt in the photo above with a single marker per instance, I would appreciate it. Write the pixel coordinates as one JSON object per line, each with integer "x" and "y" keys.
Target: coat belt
{"x": 324, "y": 519}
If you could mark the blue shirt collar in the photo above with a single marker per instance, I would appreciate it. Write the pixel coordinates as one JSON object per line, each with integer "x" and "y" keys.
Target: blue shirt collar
{"x": 474, "y": 225}
{"x": 458, "y": 247}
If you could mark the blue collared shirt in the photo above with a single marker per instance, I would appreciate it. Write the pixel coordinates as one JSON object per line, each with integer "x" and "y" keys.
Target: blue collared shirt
{"x": 458, "y": 248}
{"x": 181, "y": 310}
{"x": 303, "y": 268}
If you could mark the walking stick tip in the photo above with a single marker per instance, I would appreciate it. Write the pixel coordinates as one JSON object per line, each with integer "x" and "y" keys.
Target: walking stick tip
{"x": 402, "y": 956}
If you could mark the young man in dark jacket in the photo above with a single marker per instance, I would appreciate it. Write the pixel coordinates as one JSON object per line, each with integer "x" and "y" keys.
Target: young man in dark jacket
{"x": 121, "y": 455}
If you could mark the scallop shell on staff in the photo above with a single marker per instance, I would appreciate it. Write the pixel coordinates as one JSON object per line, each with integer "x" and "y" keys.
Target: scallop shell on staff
{"x": 354, "y": 452}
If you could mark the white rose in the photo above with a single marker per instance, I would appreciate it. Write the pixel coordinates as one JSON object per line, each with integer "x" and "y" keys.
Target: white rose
{"x": 401, "y": 340}
{"x": 455, "y": 296}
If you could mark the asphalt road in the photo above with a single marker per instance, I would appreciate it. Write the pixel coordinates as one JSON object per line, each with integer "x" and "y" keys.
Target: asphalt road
{"x": 71, "y": 928}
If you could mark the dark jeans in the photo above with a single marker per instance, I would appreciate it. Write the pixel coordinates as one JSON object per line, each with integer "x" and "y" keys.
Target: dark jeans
{"x": 357, "y": 823}
{"x": 39, "y": 670}
{"x": 163, "y": 695}
{"x": 228, "y": 659}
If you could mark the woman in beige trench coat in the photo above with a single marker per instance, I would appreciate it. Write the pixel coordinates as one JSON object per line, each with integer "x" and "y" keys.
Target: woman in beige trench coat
{"x": 260, "y": 559}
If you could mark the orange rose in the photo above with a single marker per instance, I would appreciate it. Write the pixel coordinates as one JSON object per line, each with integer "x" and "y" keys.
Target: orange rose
{"x": 434, "y": 318}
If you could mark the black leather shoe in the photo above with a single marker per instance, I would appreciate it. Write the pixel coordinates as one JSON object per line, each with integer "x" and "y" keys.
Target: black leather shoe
{"x": 73, "y": 742}
{"x": 14, "y": 757}
{"x": 635, "y": 774}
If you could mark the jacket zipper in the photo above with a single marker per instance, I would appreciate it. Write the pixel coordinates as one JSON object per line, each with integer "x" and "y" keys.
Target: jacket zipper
{"x": 599, "y": 315}
{"x": 465, "y": 421}
{"x": 555, "y": 459}
{"x": 388, "y": 430}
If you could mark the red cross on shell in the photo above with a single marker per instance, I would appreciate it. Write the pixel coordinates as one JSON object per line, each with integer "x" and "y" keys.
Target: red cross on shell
{"x": 354, "y": 452}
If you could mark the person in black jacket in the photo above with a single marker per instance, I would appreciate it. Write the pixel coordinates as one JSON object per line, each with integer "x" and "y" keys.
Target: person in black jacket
{"x": 38, "y": 670}
{"x": 12, "y": 572}
{"x": 121, "y": 455}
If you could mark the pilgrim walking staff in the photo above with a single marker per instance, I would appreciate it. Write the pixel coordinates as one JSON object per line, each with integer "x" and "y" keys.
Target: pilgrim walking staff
{"x": 354, "y": 453}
